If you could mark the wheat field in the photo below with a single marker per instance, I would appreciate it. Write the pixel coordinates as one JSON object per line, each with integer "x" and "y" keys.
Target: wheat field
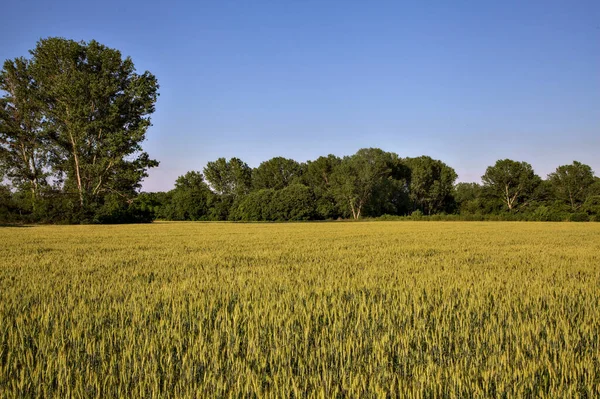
{"x": 359, "y": 310}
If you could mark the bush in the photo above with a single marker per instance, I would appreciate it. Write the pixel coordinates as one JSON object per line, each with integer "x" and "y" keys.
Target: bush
{"x": 256, "y": 206}
{"x": 417, "y": 215}
{"x": 579, "y": 217}
{"x": 295, "y": 202}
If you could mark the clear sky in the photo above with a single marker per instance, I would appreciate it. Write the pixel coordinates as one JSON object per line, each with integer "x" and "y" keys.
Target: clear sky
{"x": 467, "y": 82}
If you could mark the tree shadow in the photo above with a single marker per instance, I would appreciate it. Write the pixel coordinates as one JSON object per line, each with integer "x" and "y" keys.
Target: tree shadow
{"x": 13, "y": 225}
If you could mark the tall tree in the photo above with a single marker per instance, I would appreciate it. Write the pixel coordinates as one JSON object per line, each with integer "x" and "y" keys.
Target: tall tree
{"x": 295, "y": 202}
{"x": 512, "y": 182}
{"x": 231, "y": 178}
{"x": 318, "y": 176}
{"x": 468, "y": 197}
{"x": 191, "y": 198}
{"x": 431, "y": 184}
{"x": 97, "y": 110}
{"x": 276, "y": 173}
{"x": 23, "y": 148}
{"x": 358, "y": 177}
{"x": 572, "y": 183}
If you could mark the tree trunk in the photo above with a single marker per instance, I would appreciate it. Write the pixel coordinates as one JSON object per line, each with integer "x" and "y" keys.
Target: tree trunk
{"x": 508, "y": 203}
{"x": 353, "y": 210}
{"x": 572, "y": 200}
{"x": 77, "y": 172}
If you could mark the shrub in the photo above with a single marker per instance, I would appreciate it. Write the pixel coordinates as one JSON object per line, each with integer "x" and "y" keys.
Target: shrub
{"x": 579, "y": 217}
{"x": 417, "y": 215}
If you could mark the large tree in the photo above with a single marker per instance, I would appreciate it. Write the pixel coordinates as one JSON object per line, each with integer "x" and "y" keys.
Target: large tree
{"x": 572, "y": 183}
{"x": 276, "y": 173}
{"x": 96, "y": 110}
{"x": 191, "y": 198}
{"x": 318, "y": 176}
{"x": 231, "y": 178}
{"x": 362, "y": 180}
{"x": 511, "y": 182}
{"x": 431, "y": 184}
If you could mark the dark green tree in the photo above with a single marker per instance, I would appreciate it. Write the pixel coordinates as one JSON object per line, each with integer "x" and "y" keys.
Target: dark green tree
{"x": 23, "y": 145}
{"x": 191, "y": 198}
{"x": 276, "y": 173}
{"x": 231, "y": 178}
{"x": 317, "y": 176}
{"x": 431, "y": 184}
{"x": 256, "y": 206}
{"x": 572, "y": 183}
{"x": 469, "y": 198}
{"x": 358, "y": 177}
{"x": 294, "y": 202}
{"x": 511, "y": 182}
{"x": 8, "y": 207}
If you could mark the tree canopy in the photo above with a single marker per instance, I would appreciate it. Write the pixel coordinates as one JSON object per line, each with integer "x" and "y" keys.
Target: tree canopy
{"x": 512, "y": 182}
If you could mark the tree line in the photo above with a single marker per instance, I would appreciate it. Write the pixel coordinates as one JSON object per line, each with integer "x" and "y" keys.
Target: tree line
{"x": 375, "y": 183}
{"x": 73, "y": 117}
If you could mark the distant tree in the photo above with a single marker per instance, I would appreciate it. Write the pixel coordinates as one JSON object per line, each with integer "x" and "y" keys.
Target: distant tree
{"x": 151, "y": 202}
{"x": 592, "y": 207}
{"x": 294, "y": 202}
{"x": 595, "y": 187}
{"x": 468, "y": 197}
{"x": 7, "y": 205}
{"x": 256, "y": 206}
{"x": 23, "y": 145}
{"x": 317, "y": 176}
{"x": 572, "y": 183}
{"x": 231, "y": 178}
{"x": 358, "y": 177}
{"x": 431, "y": 184}
{"x": 191, "y": 198}
{"x": 276, "y": 173}
{"x": 391, "y": 194}
{"x": 511, "y": 182}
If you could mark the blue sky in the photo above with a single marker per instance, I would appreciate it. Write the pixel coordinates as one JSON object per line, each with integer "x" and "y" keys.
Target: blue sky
{"x": 467, "y": 82}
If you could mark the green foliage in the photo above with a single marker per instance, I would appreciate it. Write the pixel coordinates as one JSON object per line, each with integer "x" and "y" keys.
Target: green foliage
{"x": 511, "y": 182}
{"x": 431, "y": 184}
{"x": 417, "y": 215}
{"x": 191, "y": 198}
{"x": 24, "y": 147}
{"x": 362, "y": 178}
{"x": 592, "y": 205}
{"x": 256, "y": 206}
{"x": 579, "y": 217}
{"x": 231, "y": 178}
{"x": 115, "y": 211}
{"x": 276, "y": 173}
{"x": 7, "y": 205}
{"x": 469, "y": 199}
{"x": 379, "y": 183}
{"x": 572, "y": 183}
{"x": 295, "y": 202}
{"x": 318, "y": 176}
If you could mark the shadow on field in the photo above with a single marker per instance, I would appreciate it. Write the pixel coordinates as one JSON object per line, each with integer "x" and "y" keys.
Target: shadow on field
{"x": 13, "y": 225}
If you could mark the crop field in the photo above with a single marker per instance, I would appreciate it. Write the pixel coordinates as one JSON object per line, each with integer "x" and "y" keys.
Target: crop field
{"x": 366, "y": 309}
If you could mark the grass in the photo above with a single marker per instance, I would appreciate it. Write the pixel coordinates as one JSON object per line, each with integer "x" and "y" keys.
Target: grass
{"x": 377, "y": 309}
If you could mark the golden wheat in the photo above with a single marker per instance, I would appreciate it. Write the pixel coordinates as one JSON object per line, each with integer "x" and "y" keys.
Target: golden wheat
{"x": 373, "y": 309}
